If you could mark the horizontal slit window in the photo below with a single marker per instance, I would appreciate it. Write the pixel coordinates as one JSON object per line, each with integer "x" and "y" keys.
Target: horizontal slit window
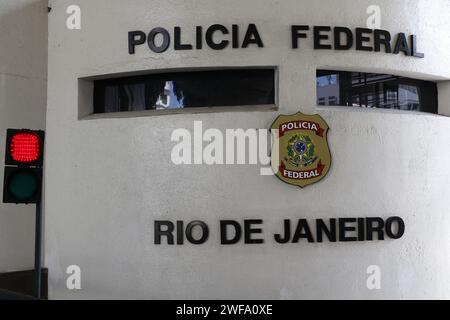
{"x": 371, "y": 90}
{"x": 181, "y": 90}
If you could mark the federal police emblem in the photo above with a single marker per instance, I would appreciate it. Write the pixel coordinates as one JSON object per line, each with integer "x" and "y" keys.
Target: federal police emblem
{"x": 303, "y": 156}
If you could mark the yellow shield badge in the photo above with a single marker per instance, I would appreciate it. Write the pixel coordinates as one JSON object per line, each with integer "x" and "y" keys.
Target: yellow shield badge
{"x": 304, "y": 156}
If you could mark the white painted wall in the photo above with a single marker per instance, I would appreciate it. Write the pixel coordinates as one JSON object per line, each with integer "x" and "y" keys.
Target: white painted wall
{"x": 108, "y": 179}
{"x": 23, "y": 83}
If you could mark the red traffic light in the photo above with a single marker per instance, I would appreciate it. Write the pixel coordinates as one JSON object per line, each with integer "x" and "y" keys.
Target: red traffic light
{"x": 24, "y": 158}
{"x": 24, "y": 148}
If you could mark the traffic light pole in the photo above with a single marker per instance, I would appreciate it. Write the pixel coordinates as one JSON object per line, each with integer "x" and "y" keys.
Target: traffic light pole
{"x": 38, "y": 249}
{"x": 23, "y": 180}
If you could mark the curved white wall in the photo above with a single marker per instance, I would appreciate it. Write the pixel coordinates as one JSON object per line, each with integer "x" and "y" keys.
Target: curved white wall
{"x": 107, "y": 180}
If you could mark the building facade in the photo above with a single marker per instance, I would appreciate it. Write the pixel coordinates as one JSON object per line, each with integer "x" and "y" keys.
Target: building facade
{"x": 23, "y": 100}
{"x": 110, "y": 174}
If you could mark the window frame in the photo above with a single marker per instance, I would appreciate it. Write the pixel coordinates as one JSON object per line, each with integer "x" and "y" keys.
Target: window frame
{"x": 86, "y": 94}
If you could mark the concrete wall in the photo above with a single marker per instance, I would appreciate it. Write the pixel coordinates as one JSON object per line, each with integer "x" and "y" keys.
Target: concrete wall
{"x": 118, "y": 177}
{"x": 23, "y": 92}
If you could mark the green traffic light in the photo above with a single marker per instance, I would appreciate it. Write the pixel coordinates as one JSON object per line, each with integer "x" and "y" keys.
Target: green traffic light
{"x": 23, "y": 185}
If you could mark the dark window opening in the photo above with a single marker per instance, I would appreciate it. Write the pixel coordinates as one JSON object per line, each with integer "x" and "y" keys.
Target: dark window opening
{"x": 371, "y": 90}
{"x": 179, "y": 90}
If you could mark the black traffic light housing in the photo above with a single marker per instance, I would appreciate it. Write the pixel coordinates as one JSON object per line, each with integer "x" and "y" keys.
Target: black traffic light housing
{"x": 22, "y": 185}
{"x": 22, "y": 182}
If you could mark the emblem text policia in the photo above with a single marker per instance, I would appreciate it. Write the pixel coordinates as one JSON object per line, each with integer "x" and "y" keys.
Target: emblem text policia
{"x": 303, "y": 156}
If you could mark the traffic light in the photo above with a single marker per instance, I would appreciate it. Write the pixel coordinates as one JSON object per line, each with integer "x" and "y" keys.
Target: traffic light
{"x": 23, "y": 172}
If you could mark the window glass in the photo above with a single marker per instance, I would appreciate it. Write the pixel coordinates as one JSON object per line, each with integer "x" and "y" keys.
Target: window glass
{"x": 197, "y": 89}
{"x": 371, "y": 90}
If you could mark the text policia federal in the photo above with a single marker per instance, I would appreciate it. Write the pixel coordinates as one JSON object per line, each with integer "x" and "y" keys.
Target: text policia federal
{"x": 252, "y": 231}
{"x": 219, "y": 37}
